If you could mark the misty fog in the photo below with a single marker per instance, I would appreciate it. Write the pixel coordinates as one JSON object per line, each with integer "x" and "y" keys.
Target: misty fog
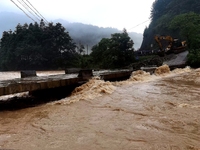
{"x": 88, "y": 35}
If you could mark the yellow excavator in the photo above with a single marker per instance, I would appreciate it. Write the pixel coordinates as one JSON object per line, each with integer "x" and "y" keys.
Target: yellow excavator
{"x": 172, "y": 45}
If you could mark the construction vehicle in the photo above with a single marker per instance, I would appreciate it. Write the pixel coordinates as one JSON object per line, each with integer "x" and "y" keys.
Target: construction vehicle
{"x": 168, "y": 45}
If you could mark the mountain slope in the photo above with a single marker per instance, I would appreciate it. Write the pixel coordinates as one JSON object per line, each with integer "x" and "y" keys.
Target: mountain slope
{"x": 163, "y": 11}
{"x": 9, "y": 20}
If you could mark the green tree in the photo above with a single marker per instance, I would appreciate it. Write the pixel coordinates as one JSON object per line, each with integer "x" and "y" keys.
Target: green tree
{"x": 159, "y": 8}
{"x": 115, "y": 52}
{"x": 98, "y": 52}
{"x": 80, "y": 48}
{"x": 194, "y": 58}
{"x": 36, "y": 46}
{"x": 7, "y": 57}
{"x": 59, "y": 46}
{"x": 188, "y": 25}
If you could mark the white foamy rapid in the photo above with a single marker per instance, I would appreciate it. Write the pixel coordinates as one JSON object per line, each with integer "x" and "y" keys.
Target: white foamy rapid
{"x": 96, "y": 87}
{"x": 92, "y": 89}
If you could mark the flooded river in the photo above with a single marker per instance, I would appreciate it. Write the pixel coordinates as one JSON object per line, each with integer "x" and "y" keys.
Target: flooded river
{"x": 147, "y": 112}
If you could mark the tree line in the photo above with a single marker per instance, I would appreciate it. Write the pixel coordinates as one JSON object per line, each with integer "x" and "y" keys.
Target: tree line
{"x": 114, "y": 52}
{"x": 43, "y": 47}
{"x": 36, "y": 46}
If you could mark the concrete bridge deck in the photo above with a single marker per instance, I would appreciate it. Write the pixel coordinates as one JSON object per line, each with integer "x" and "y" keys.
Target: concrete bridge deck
{"x": 37, "y": 83}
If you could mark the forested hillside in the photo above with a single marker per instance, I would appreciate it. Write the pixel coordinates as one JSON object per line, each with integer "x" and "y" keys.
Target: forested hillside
{"x": 37, "y": 46}
{"x": 164, "y": 17}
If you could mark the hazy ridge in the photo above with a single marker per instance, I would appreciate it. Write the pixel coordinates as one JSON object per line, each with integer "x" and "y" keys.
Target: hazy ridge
{"x": 88, "y": 35}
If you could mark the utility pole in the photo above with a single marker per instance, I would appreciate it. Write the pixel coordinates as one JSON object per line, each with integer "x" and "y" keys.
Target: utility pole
{"x": 87, "y": 49}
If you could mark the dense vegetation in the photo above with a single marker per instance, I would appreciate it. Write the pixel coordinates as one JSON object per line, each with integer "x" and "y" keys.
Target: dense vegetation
{"x": 114, "y": 52}
{"x": 179, "y": 19}
{"x": 36, "y": 46}
{"x": 40, "y": 47}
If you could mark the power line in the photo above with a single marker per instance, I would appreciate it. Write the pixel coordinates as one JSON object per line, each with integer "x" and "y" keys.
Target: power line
{"x": 33, "y": 11}
{"x": 31, "y": 8}
{"x": 25, "y": 6}
{"x": 37, "y": 11}
{"x": 138, "y": 24}
{"x": 23, "y": 11}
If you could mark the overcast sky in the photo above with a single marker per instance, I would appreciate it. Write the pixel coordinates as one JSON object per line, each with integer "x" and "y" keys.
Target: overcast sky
{"x": 103, "y": 13}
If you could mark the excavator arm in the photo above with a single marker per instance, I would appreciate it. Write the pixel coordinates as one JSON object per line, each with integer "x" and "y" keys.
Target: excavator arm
{"x": 167, "y": 38}
{"x": 171, "y": 45}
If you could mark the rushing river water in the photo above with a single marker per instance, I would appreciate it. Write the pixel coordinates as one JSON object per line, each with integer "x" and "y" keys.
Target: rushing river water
{"x": 147, "y": 112}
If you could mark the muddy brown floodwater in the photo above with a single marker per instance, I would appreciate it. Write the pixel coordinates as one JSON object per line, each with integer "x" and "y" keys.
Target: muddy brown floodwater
{"x": 147, "y": 112}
